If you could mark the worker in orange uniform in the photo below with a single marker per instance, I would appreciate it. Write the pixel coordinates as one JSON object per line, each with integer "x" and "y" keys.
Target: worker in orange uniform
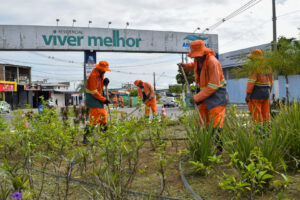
{"x": 120, "y": 101}
{"x": 115, "y": 101}
{"x": 212, "y": 95}
{"x": 95, "y": 99}
{"x": 259, "y": 88}
{"x": 130, "y": 102}
{"x": 146, "y": 93}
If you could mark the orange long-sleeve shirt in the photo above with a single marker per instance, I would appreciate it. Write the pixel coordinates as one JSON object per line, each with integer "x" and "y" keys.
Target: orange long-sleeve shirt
{"x": 211, "y": 77}
{"x": 260, "y": 80}
{"x": 148, "y": 90}
{"x": 95, "y": 85}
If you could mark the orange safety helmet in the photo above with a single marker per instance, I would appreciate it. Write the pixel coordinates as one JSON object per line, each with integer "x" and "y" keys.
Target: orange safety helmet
{"x": 197, "y": 49}
{"x": 255, "y": 53}
{"x": 137, "y": 82}
{"x": 102, "y": 66}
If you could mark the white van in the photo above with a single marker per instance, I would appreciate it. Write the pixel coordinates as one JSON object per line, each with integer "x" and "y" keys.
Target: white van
{"x": 169, "y": 102}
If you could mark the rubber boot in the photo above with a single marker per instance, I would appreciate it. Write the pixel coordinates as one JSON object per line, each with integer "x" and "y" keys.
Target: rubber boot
{"x": 104, "y": 127}
{"x": 218, "y": 141}
{"x": 87, "y": 131}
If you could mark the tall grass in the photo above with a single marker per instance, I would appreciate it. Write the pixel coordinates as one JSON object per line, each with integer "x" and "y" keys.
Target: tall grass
{"x": 200, "y": 143}
{"x": 241, "y": 135}
{"x": 287, "y": 122}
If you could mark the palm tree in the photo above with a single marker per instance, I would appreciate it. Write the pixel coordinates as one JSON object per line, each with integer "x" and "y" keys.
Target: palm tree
{"x": 80, "y": 88}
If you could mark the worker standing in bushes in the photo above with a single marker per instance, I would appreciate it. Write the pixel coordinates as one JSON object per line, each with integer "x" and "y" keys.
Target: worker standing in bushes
{"x": 212, "y": 95}
{"x": 146, "y": 93}
{"x": 95, "y": 99}
{"x": 130, "y": 102}
{"x": 115, "y": 101}
{"x": 120, "y": 101}
{"x": 259, "y": 88}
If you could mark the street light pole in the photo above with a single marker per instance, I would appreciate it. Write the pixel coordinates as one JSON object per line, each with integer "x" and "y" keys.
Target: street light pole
{"x": 274, "y": 48}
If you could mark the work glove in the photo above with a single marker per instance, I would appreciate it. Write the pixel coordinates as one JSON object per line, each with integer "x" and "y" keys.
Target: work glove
{"x": 247, "y": 99}
{"x": 192, "y": 100}
{"x": 180, "y": 65}
{"x": 144, "y": 96}
{"x": 106, "y": 82}
{"x": 106, "y": 102}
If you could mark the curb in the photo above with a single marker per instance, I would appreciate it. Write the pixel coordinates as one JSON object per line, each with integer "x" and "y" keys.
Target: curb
{"x": 186, "y": 185}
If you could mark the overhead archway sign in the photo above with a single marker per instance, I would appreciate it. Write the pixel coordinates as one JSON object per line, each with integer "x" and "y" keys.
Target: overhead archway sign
{"x": 60, "y": 38}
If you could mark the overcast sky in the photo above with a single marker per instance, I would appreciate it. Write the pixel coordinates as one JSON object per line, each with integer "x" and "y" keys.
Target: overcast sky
{"x": 252, "y": 27}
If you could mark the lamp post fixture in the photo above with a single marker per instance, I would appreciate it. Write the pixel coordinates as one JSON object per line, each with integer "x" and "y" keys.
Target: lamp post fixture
{"x": 127, "y": 24}
{"x": 89, "y": 23}
{"x": 57, "y": 20}
{"x": 74, "y": 20}
{"x": 198, "y": 28}
{"x": 109, "y": 23}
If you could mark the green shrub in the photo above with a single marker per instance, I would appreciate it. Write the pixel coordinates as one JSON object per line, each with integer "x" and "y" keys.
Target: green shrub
{"x": 287, "y": 122}
{"x": 200, "y": 141}
{"x": 241, "y": 135}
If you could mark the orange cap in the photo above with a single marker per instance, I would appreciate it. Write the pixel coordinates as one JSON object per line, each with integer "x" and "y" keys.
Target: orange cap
{"x": 255, "y": 53}
{"x": 197, "y": 48}
{"x": 137, "y": 82}
{"x": 102, "y": 66}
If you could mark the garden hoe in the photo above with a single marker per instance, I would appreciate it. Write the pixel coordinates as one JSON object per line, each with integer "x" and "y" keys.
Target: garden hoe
{"x": 138, "y": 106}
{"x": 107, "y": 97}
{"x": 189, "y": 88}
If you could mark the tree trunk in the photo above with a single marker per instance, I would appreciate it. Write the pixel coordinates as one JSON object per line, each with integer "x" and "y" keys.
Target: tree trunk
{"x": 183, "y": 95}
{"x": 287, "y": 89}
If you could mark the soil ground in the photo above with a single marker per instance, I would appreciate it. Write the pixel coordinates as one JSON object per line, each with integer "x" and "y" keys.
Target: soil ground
{"x": 148, "y": 179}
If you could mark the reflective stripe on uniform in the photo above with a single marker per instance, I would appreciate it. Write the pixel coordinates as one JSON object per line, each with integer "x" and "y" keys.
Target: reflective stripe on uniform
{"x": 223, "y": 82}
{"x": 91, "y": 92}
{"x": 251, "y": 80}
{"x": 263, "y": 84}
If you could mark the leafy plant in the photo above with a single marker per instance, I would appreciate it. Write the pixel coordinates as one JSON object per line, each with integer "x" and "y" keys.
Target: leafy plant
{"x": 254, "y": 175}
{"x": 200, "y": 143}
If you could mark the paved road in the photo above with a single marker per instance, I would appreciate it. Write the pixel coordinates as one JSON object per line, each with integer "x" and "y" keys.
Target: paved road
{"x": 172, "y": 112}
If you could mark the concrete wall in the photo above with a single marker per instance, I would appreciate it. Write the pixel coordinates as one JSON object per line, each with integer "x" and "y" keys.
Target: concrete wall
{"x": 60, "y": 99}
{"x": 237, "y": 88}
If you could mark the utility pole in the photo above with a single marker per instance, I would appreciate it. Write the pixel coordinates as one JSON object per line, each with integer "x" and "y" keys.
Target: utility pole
{"x": 183, "y": 92}
{"x": 274, "y": 48}
{"x": 154, "y": 81}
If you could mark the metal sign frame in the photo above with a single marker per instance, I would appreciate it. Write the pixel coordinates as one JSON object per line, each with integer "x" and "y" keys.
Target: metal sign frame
{"x": 64, "y": 38}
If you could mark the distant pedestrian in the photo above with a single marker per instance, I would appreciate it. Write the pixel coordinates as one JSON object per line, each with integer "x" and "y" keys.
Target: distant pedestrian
{"x": 130, "y": 102}
{"x": 146, "y": 93}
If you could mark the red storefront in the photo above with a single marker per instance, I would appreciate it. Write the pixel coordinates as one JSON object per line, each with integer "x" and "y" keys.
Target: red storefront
{"x": 7, "y": 86}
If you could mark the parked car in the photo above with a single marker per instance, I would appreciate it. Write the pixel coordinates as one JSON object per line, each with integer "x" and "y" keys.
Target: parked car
{"x": 169, "y": 102}
{"x": 4, "y": 107}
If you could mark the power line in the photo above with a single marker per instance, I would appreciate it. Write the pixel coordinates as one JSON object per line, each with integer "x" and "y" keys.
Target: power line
{"x": 245, "y": 7}
{"x": 55, "y": 58}
{"x": 260, "y": 25}
{"x": 288, "y": 13}
{"x": 34, "y": 63}
{"x": 71, "y": 61}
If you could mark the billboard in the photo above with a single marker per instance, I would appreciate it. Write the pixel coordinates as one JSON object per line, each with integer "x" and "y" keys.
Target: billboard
{"x": 63, "y": 38}
{"x": 8, "y": 86}
{"x": 89, "y": 61}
